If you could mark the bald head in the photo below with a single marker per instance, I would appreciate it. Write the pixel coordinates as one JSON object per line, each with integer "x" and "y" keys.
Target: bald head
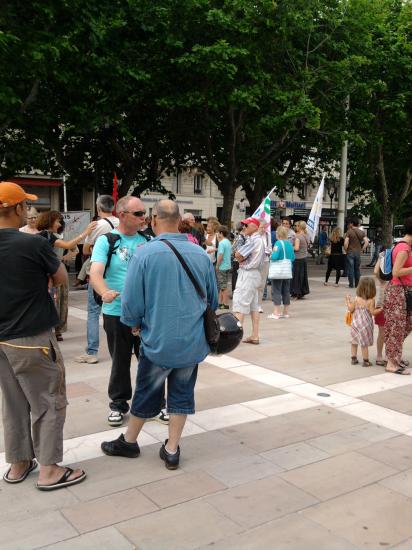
{"x": 165, "y": 217}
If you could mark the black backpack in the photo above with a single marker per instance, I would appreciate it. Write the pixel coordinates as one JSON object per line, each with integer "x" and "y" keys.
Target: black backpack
{"x": 112, "y": 238}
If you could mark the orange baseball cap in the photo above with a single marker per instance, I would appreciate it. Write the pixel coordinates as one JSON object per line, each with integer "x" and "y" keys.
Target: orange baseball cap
{"x": 11, "y": 194}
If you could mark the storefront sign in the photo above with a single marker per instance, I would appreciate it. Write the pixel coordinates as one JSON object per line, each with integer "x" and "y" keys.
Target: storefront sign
{"x": 287, "y": 204}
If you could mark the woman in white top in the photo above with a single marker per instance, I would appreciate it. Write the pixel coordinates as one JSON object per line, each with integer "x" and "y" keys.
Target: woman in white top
{"x": 31, "y": 222}
{"x": 211, "y": 238}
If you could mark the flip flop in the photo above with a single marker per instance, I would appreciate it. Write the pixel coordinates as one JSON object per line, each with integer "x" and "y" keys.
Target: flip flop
{"x": 63, "y": 481}
{"x": 33, "y": 465}
{"x": 404, "y": 363}
{"x": 251, "y": 340}
{"x": 381, "y": 363}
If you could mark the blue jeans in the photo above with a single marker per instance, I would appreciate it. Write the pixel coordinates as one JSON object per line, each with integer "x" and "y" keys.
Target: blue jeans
{"x": 93, "y": 314}
{"x": 148, "y": 396}
{"x": 353, "y": 268}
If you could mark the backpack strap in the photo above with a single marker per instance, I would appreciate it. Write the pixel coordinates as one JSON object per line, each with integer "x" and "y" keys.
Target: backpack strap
{"x": 112, "y": 239}
{"x": 109, "y": 222}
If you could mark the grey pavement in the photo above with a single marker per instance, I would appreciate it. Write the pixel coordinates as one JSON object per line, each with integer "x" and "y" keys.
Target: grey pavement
{"x": 291, "y": 447}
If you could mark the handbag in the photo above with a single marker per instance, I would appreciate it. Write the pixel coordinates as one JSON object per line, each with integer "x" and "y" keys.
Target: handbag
{"x": 408, "y": 299}
{"x": 348, "y": 318}
{"x": 281, "y": 269}
{"x": 210, "y": 319}
{"x": 327, "y": 251}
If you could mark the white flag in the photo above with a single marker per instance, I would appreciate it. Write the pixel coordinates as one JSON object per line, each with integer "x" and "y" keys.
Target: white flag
{"x": 262, "y": 213}
{"x": 316, "y": 212}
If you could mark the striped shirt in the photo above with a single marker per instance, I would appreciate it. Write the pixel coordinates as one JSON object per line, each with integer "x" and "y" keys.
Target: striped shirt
{"x": 253, "y": 251}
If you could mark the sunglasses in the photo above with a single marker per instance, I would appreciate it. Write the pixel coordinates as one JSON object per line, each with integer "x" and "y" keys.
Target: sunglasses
{"x": 137, "y": 214}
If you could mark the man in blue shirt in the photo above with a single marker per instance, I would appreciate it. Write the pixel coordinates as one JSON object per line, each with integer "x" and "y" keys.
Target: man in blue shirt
{"x": 121, "y": 342}
{"x": 160, "y": 302}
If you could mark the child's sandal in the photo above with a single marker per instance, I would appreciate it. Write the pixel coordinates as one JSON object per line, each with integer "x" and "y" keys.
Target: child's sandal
{"x": 354, "y": 360}
{"x": 366, "y": 363}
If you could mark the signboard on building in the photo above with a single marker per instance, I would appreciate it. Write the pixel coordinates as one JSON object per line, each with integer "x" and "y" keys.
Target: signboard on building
{"x": 75, "y": 223}
{"x": 287, "y": 204}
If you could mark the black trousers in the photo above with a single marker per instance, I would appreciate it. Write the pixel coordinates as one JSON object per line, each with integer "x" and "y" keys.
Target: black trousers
{"x": 121, "y": 344}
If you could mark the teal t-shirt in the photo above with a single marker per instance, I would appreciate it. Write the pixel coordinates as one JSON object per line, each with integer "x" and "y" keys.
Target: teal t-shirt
{"x": 116, "y": 274}
{"x": 225, "y": 248}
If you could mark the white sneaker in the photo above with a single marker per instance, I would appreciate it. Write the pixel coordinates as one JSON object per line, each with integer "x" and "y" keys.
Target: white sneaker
{"x": 260, "y": 309}
{"x": 273, "y": 316}
{"x": 162, "y": 417}
{"x": 91, "y": 359}
{"x": 115, "y": 418}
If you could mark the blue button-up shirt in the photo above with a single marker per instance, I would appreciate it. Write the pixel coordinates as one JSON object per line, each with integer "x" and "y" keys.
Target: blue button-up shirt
{"x": 160, "y": 298}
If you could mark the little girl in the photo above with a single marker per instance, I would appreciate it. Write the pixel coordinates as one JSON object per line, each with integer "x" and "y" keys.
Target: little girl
{"x": 363, "y": 309}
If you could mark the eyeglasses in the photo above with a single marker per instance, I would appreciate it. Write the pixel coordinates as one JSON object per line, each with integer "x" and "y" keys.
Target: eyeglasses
{"x": 34, "y": 218}
{"x": 137, "y": 214}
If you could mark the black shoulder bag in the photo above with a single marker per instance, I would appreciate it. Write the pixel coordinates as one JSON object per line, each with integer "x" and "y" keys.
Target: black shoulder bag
{"x": 211, "y": 322}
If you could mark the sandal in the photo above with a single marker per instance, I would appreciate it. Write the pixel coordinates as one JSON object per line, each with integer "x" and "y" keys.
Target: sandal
{"x": 63, "y": 481}
{"x": 366, "y": 363}
{"x": 400, "y": 370}
{"x": 354, "y": 361}
{"x": 381, "y": 362}
{"x": 32, "y": 466}
{"x": 404, "y": 363}
{"x": 251, "y": 340}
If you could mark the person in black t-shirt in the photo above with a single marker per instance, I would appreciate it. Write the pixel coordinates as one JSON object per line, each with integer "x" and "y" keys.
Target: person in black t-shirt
{"x": 32, "y": 378}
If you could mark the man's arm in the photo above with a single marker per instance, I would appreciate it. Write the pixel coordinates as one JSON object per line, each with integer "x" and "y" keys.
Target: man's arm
{"x": 60, "y": 277}
{"x": 99, "y": 284}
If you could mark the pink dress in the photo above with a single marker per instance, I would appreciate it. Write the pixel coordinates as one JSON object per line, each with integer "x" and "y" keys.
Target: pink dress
{"x": 362, "y": 327}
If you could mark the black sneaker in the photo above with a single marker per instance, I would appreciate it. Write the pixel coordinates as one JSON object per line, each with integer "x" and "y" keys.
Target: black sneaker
{"x": 171, "y": 461}
{"x": 120, "y": 447}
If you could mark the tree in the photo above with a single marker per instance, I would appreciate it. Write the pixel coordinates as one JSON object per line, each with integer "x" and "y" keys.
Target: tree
{"x": 381, "y": 112}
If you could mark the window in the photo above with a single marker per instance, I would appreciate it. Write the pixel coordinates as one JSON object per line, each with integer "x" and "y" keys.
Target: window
{"x": 176, "y": 184}
{"x": 198, "y": 184}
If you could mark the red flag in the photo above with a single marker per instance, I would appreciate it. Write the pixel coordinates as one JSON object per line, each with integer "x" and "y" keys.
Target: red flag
{"x": 115, "y": 193}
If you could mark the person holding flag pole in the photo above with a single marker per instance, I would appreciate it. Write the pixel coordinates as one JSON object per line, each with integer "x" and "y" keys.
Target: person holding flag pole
{"x": 262, "y": 213}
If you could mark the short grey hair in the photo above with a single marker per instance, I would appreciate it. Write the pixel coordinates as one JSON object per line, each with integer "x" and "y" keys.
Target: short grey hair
{"x": 166, "y": 209}
{"x": 105, "y": 203}
{"x": 122, "y": 203}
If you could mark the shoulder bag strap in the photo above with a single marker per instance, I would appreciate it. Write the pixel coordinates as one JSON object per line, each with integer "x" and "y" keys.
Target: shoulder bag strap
{"x": 109, "y": 222}
{"x": 186, "y": 268}
{"x": 284, "y": 251}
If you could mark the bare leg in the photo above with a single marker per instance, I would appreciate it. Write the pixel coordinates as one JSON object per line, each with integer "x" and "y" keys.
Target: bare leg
{"x": 354, "y": 350}
{"x": 133, "y": 428}
{"x": 240, "y": 316}
{"x": 365, "y": 353}
{"x": 379, "y": 344}
{"x": 276, "y": 310}
{"x": 255, "y": 324}
{"x": 285, "y": 310}
{"x": 225, "y": 297}
{"x": 176, "y": 424}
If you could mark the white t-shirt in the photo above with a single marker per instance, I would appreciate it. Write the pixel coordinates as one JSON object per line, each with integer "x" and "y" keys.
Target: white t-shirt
{"x": 102, "y": 228}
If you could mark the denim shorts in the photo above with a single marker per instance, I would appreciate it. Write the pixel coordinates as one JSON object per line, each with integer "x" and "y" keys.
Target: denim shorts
{"x": 149, "y": 393}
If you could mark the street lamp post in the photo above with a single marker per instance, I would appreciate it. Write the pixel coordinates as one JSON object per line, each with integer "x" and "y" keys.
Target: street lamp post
{"x": 332, "y": 192}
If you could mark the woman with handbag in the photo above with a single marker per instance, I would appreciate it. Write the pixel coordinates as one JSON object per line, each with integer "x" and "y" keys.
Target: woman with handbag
{"x": 300, "y": 285}
{"x": 280, "y": 274}
{"x": 397, "y": 304}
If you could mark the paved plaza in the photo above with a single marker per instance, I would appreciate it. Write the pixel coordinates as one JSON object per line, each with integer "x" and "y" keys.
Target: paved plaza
{"x": 292, "y": 447}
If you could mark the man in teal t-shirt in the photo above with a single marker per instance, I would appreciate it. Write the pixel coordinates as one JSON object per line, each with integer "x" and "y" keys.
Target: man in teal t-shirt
{"x": 223, "y": 265}
{"x": 120, "y": 340}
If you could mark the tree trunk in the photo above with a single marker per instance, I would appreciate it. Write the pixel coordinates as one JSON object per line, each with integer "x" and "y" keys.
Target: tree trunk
{"x": 387, "y": 225}
{"x": 228, "y": 202}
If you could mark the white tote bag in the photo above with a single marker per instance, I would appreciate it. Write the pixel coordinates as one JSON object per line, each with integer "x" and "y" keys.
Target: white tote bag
{"x": 281, "y": 269}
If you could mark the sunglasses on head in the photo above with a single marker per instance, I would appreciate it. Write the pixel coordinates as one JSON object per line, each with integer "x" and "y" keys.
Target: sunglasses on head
{"x": 137, "y": 214}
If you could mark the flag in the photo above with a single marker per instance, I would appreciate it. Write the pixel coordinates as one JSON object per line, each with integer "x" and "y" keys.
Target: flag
{"x": 263, "y": 214}
{"x": 115, "y": 193}
{"x": 316, "y": 212}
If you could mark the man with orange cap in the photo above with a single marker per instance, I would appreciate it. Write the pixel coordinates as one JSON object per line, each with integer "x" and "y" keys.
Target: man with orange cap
{"x": 32, "y": 378}
{"x": 246, "y": 295}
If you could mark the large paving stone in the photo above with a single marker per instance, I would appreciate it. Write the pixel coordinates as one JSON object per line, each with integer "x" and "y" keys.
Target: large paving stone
{"x": 396, "y": 452}
{"x": 391, "y": 400}
{"x": 187, "y": 486}
{"x": 402, "y": 483}
{"x": 41, "y": 529}
{"x": 337, "y": 475}
{"x": 183, "y": 527}
{"x": 372, "y": 517}
{"x": 258, "y": 502}
{"x": 352, "y": 439}
{"x": 235, "y": 471}
{"x": 294, "y": 456}
{"x": 292, "y": 532}
{"x": 102, "y": 512}
{"x": 103, "y": 539}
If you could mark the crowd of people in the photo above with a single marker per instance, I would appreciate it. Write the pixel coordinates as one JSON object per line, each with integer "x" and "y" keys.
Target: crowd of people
{"x": 127, "y": 255}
